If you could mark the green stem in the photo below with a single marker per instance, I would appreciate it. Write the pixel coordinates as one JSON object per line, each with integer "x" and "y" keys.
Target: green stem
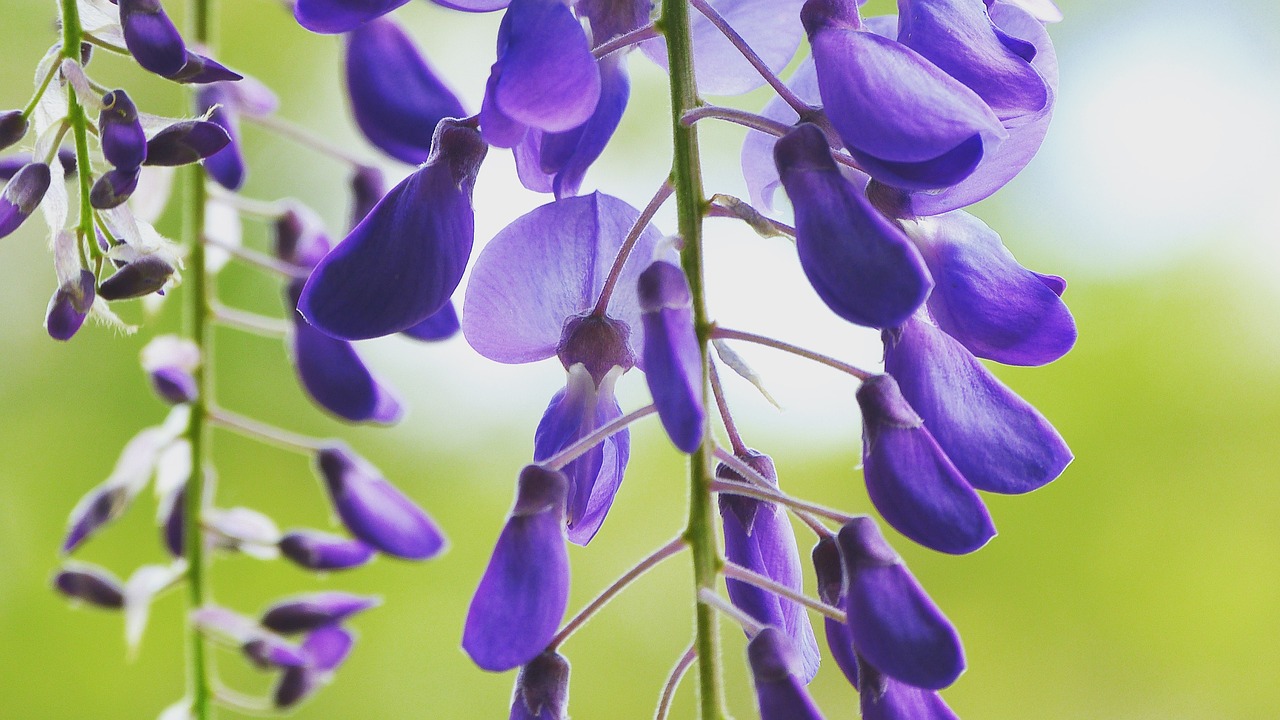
{"x": 72, "y": 35}
{"x": 686, "y": 176}
{"x": 198, "y": 325}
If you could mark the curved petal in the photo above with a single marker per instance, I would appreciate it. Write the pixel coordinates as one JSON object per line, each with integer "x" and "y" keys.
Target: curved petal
{"x": 441, "y": 325}
{"x": 548, "y": 266}
{"x": 860, "y": 263}
{"x": 525, "y": 589}
{"x": 542, "y": 690}
{"x": 305, "y": 613}
{"x": 401, "y": 264}
{"x": 151, "y": 36}
{"x": 883, "y": 698}
{"x": 775, "y": 671}
{"x": 396, "y": 98}
{"x": 338, "y": 16}
{"x": 672, "y": 357}
{"x": 22, "y": 195}
{"x": 993, "y": 306}
{"x": 476, "y": 6}
{"x": 995, "y": 438}
{"x": 567, "y": 156}
{"x": 373, "y": 509}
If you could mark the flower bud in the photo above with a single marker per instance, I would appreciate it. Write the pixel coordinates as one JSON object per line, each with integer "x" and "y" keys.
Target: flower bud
{"x": 226, "y": 166}
{"x": 300, "y": 238}
{"x": 309, "y": 612}
{"x": 113, "y": 188}
{"x": 323, "y": 651}
{"x": 198, "y": 69}
{"x": 269, "y": 651}
{"x": 141, "y": 277}
{"x": 22, "y": 195}
{"x": 367, "y": 188}
{"x": 672, "y": 358}
{"x": 90, "y": 584}
{"x": 151, "y": 36}
{"x": 542, "y": 689}
{"x": 13, "y": 126}
{"x": 186, "y": 142}
{"x": 124, "y": 144}
{"x": 775, "y": 670}
{"x": 69, "y": 306}
{"x": 171, "y": 362}
{"x": 322, "y": 551}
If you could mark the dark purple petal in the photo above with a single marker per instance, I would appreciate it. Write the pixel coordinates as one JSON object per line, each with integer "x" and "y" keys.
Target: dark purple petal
{"x": 367, "y": 188}
{"x": 401, "y": 264}
{"x": 528, "y": 281}
{"x": 124, "y": 143}
{"x": 97, "y": 508}
{"x": 226, "y": 166}
{"x": 998, "y": 441}
{"x": 90, "y": 584}
{"x": 373, "y": 509}
{"x": 884, "y": 698}
{"x": 861, "y": 264}
{"x": 141, "y": 277}
{"x": 542, "y": 689}
{"x": 113, "y": 188}
{"x": 775, "y": 670}
{"x": 525, "y": 589}
{"x": 904, "y": 120}
{"x": 269, "y": 651}
{"x": 11, "y": 164}
{"x": 594, "y": 478}
{"x": 911, "y": 481}
{"x": 186, "y": 142}
{"x": 338, "y": 16}
{"x": 334, "y": 375}
{"x": 993, "y": 306}
{"x": 69, "y": 306}
{"x": 173, "y": 528}
{"x": 545, "y": 76}
{"x": 476, "y": 6}
{"x": 323, "y": 651}
{"x": 829, "y": 571}
{"x": 309, "y": 612}
{"x": 199, "y": 70}
{"x": 174, "y": 385}
{"x": 22, "y": 195}
{"x": 610, "y": 18}
{"x": 441, "y": 325}
{"x": 672, "y": 357}
{"x": 13, "y": 126}
{"x": 396, "y": 98}
{"x": 151, "y": 36}
{"x": 895, "y": 625}
{"x": 758, "y": 536}
{"x": 300, "y": 238}
{"x": 322, "y": 551}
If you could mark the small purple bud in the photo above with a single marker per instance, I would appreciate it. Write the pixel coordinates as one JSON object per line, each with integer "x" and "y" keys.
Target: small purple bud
{"x": 525, "y": 589}
{"x": 323, "y": 651}
{"x": 124, "y": 143}
{"x": 22, "y": 195}
{"x": 90, "y": 584}
{"x": 367, "y": 188}
{"x": 141, "y": 277}
{"x": 672, "y": 359}
{"x": 151, "y": 36}
{"x": 373, "y": 509}
{"x": 542, "y": 689}
{"x": 269, "y": 651}
{"x": 13, "y": 126}
{"x": 69, "y": 306}
{"x": 300, "y": 238}
{"x": 113, "y": 188}
{"x": 171, "y": 362}
{"x": 199, "y": 70}
{"x": 173, "y": 528}
{"x": 828, "y": 570}
{"x": 226, "y": 166}
{"x": 309, "y": 612}
{"x": 186, "y": 142}
{"x": 323, "y": 551}
{"x": 99, "y": 507}
{"x": 599, "y": 343}
{"x": 775, "y": 670}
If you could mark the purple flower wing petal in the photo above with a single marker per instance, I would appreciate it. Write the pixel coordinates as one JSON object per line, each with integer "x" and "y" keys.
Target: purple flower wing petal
{"x": 338, "y": 16}
{"x": 860, "y": 263}
{"x": 396, "y": 98}
{"x": 22, "y": 195}
{"x": 322, "y": 551}
{"x": 911, "y": 481}
{"x": 995, "y": 438}
{"x": 568, "y": 155}
{"x": 441, "y": 325}
{"x": 775, "y": 671}
{"x": 546, "y": 75}
{"x": 893, "y": 700}
{"x": 151, "y": 36}
{"x": 525, "y": 589}
{"x": 401, "y": 264}
{"x": 993, "y": 306}
{"x": 672, "y": 359}
{"x": 476, "y": 6}
{"x": 375, "y": 511}
{"x": 547, "y": 266}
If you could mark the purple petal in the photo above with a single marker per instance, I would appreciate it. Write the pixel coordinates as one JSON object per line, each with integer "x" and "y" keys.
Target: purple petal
{"x": 860, "y": 263}
{"x": 905, "y": 121}
{"x": 373, "y": 509}
{"x": 268, "y": 651}
{"x": 401, "y": 264}
{"x": 476, "y": 6}
{"x": 993, "y": 306}
{"x": 186, "y": 142}
{"x": 525, "y": 589}
{"x": 322, "y": 551}
{"x": 124, "y": 143}
{"x": 529, "y": 280}
{"x": 69, "y": 306}
{"x": 545, "y": 76}
{"x": 113, "y": 188}
{"x": 396, "y": 98}
{"x": 884, "y": 698}
{"x": 1044, "y": 11}
{"x": 174, "y": 385}
{"x": 200, "y": 70}
{"x": 997, "y": 440}
{"x": 338, "y": 16}
{"x": 911, "y": 481}
{"x": 895, "y": 625}
{"x": 98, "y": 507}
{"x": 13, "y": 127}
{"x": 829, "y": 571}
{"x": 610, "y": 18}
{"x": 141, "y": 277}
{"x": 769, "y": 27}
{"x": 151, "y": 36}
{"x": 173, "y": 525}
{"x": 226, "y": 166}
{"x": 324, "y": 650}
{"x": 22, "y": 195}
{"x": 542, "y": 689}
{"x": 300, "y": 238}
{"x": 90, "y": 584}
{"x": 758, "y": 168}
{"x": 758, "y": 536}
{"x": 672, "y": 356}
{"x": 334, "y": 375}
{"x": 309, "y": 612}
{"x": 441, "y": 325}
{"x": 367, "y": 188}
{"x": 775, "y": 670}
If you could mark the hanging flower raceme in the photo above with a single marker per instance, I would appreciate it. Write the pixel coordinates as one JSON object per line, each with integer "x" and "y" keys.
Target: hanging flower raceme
{"x": 531, "y": 296}
{"x": 525, "y": 589}
{"x": 672, "y": 358}
{"x": 777, "y": 672}
{"x": 401, "y": 264}
{"x": 542, "y": 689}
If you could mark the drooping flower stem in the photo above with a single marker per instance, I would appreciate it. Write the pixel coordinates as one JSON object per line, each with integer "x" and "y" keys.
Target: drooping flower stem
{"x": 686, "y": 176}
{"x": 198, "y": 326}
{"x": 673, "y": 681}
{"x": 737, "y": 572}
{"x": 844, "y": 367}
{"x": 72, "y": 36}
{"x": 801, "y": 107}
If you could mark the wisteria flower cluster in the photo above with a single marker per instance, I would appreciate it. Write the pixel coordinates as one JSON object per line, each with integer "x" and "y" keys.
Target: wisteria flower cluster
{"x": 887, "y": 130}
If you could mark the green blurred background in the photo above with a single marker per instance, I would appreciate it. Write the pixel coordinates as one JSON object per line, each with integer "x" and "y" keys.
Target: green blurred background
{"x": 1144, "y": 583}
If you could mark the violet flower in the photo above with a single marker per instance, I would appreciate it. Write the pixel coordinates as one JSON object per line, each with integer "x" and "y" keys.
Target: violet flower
{"x": 315, "y": 550}
{"x": 151, "y": 36}
{"x": 13, "y": 127}
{"x": 70, "y": 305}
{"x": 124, "y": 143}
{"x": 776, "y": 673}
{"x": 884, "y": 698}
{"x": 672, "y": 358}
{"x": 113, "y": 188}
{"x": 186, "y": 142}
{"x": 401, "y": 264}
{"x": 226, "y": 166}
{"x": 309, "y": 612}
{"x": 758, "y": 536}
{"x": 323, "y": 651}
{"x": 22, "y": 195}
{"x": 542, "y": 689}
{"x": 171, "y": 362}
{"x": 90, "y": 584}
{"x": 143, "y": 276}
{"x": 525, "y": 588}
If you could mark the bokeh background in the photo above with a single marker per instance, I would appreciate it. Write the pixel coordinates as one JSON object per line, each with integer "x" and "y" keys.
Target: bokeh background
{"x": 1144, "y": 583}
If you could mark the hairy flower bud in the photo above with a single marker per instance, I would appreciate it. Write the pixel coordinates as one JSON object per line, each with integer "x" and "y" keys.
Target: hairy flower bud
{"x": 124, "y": 143}
{"x": 151, "y": 36}
{"x": 140, "y": 277}
{"x": 542, "y": 689}
{"x": 113, "y": 188}
{"x": 186, "y": 142}
{"x": 171, "y": 362}
{"x": 22, "y": 195}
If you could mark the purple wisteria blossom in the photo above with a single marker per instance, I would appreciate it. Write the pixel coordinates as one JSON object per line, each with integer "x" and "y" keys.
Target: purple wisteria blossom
{"x": 542, "y": 689}
{"x": 13, "y": 127}
{"x": 91, "y": 585}
{"x": 70, "y": 305}
{"x": 776, "y": 671}
{"x": 316, "y": 550}
{"x": 309, "y": 612}
{"x": 525, "y": 589}
{"x": 124, "y": 142}
{"x": 170, "y": 363}
{"x": 186, "y": 142}
{"x": 152, "y": 38}
{"x": 22, "y": 195}
{"x": 323, "y": 650}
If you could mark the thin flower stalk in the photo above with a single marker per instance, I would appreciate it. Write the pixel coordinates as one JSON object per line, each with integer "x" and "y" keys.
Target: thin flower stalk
{"x": 673, "y": 682}
{"x": 738, "y": 572}
{"x": 722, "y": 333}
{"x": 257, "y": 430}
{"x": 801, "y": 107}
